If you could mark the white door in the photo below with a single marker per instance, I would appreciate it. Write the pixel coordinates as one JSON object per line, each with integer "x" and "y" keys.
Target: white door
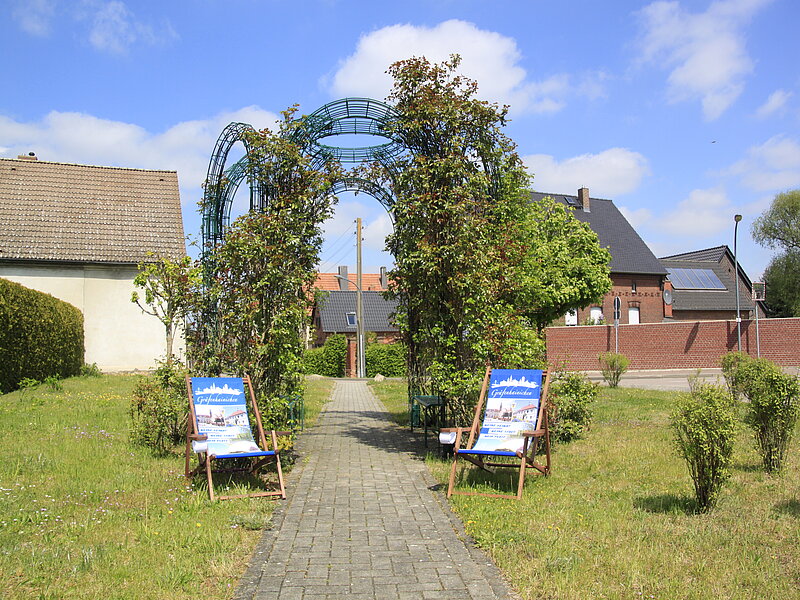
{"x": 633, "y": 315}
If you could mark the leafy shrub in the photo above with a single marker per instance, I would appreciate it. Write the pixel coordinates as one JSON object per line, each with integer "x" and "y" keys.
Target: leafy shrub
{"x": 705, "y": 425}
{"x": 731, "y": 363}
{"x": 387, "y": 359}
{"x": 572, "y": 396}
{"x": 772, "y": 410}
{"x": 91, "y": 370}
{"x": 329, "y": 360}
{"x": 159, "y": 408}
{"x": 40, "y": 336}
{"x": 612, "y": 366}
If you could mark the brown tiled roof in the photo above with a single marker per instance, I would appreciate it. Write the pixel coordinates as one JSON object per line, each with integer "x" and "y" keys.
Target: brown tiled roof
{"x": 63, "y": 212}
{"x": 329, "y": 282}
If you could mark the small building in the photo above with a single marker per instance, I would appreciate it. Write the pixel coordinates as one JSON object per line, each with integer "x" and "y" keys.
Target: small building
{"x": 336, "y": 313}
{"x": 78, "y": 232}
{"x": 637, "y": 276}
{"x": 704, "y": 283}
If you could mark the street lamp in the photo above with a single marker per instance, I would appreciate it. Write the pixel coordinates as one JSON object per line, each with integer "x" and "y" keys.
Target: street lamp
{"x": 736, "y": 219}
{"x": 360, "y": 362}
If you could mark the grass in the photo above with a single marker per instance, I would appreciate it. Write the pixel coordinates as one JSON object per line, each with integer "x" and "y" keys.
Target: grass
{"x": 617, "y": 519}
{"x": 82, "y": 512}
{"x": 394, "y": 395}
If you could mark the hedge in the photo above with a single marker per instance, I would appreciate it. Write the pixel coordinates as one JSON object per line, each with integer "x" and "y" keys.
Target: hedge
{"x": 387, "y": 359}
{"x": 328, "y": 360}
{"x": 40, "y": 336}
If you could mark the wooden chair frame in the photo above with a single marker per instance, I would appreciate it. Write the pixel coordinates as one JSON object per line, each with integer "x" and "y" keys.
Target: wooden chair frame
{"x": 526, "y": 457}
{"x": 256, "y": 459}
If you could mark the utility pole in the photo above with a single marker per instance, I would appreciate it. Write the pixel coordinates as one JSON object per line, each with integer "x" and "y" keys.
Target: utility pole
{"x": 360, "y": 370}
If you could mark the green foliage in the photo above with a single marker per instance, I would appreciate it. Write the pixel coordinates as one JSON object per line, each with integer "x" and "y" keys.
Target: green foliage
{"x": 90, "y": 370}
{"x": 704, "y": 423}
{"x": 40, "y": 336}
{"x": 573, "y": 397}
{"x": 170, "y": 292}
{"x": 613, "y": 366}
{"x": 262, "y": 272}
{"x": 731, "y": 370}
{"x": 782, "y": 279}
{"x": 329, "y": 360}
{"x": 159, "y": 408}
{"x": 388, "y": 360}
{"x": 772, "y": 409}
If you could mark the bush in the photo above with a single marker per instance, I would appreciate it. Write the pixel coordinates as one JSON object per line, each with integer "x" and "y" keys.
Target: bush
{"x": 731, "y": 363}
{"x": 705, "y": 425}
{"x": 387, "y": 359}
{"x": 329, "y": 360}
{"x": 159, "y": 408}
{"x": 612, "y": 366}
{"x": 40, "y": 336}
{"x": 772, "y": 410}
{"x": 572, "y": 396}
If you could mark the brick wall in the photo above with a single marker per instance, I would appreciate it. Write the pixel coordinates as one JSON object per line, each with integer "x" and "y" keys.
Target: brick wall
{"x": 673, "y": 345}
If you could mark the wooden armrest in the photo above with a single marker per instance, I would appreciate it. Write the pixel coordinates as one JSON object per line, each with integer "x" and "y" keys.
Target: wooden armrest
{"x": 198, "y": 437}
{"x": 449, "y": 429}
{"x": 283, "y": 433}
{"x": 537, "y": 433}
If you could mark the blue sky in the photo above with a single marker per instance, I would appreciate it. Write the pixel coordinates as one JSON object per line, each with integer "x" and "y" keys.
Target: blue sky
{"x": 682, "y": 112}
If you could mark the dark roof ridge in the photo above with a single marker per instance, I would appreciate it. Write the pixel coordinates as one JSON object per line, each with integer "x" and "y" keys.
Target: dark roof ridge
{"x": 38, "y": 161}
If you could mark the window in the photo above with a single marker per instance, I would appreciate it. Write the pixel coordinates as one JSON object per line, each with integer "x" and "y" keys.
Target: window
{"x": 571, "y": 318}
{"x": 596, "y": 314}
{"x": 633, "y": 315}
{"x": 633, "y": 286}
{"x": 351, "y": 319}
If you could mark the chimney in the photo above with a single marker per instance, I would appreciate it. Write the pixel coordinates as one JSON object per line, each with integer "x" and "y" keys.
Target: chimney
{"x": 343, "y": 285}
{"x": 583, "y": 199}
{"x": 28, "y": 156}
{"x": 384, "y": 279}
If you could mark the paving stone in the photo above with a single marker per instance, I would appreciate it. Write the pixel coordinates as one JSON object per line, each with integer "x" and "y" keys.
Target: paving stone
{"x": 361, "y": 520}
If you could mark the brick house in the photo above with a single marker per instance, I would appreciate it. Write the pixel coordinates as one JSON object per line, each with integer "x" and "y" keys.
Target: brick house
{"x": 704, "y": 286}
{"x": 637, "y": 276}
{"x": 78, "y": 232}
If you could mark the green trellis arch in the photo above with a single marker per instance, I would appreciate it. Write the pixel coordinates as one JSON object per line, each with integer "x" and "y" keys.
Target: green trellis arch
{"x": 348, "y": 116}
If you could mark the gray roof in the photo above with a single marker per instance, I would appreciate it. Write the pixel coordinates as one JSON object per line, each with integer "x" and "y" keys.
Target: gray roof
{"x": 79, "y": 213}
{"x": 378, "y": 311}
{"x": 707, "y": 299}
{"x": 629, "y": 253}
{"x": 714, "y": 254}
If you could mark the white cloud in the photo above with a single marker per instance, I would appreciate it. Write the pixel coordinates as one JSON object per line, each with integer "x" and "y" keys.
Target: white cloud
{"x": 375, "y": 232}
{"x": 636, "y": 217}
{"x": 608, "y": 174}
{"x": 702, "y": 213}
{"x": 34, "y": 16}
{"x": 775, "y": 103}
{"x": 488, "y": 57}
{"x": 80, "y": 138}
{"x": 705, "y": 52}
{"x": 772, "y": 166}
{"x": 114, "y": 28}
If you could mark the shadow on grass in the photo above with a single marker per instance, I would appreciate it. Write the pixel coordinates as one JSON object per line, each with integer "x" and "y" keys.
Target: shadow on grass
{"x": 789, "y": 507}
{"x": 748, "y": 467}
{"x": 667, "y": 504}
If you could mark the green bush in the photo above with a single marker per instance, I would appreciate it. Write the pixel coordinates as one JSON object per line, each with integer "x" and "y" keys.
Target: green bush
{"x": 612, "y": 366}
{"x": 40, "y": 336}
{"x": 572, "y": 396}
{"x": 329, "y": 360}
{"x": 159, "y": 408}
{"x": 772, "y": 408}
{"x": 704, "y": 422}
{"x": 387, "y": 359}
{"x": 731, "y": 363}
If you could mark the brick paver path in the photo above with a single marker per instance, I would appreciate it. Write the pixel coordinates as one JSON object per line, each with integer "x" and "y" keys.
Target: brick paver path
{"x": 361, "y": 520}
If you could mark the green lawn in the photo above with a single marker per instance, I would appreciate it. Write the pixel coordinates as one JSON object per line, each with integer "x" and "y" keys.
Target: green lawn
{"x": 85, "y": 515}
{"x": 616, "y": 518}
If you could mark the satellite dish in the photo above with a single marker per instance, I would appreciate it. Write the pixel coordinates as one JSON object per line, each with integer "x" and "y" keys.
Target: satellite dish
{"x": 667, "y": 297}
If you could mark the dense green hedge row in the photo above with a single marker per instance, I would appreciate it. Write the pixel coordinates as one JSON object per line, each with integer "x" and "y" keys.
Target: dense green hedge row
{"x": 328, "y": 360}
{"x": 388, "y": 360}
{"x": 40, "y": 336}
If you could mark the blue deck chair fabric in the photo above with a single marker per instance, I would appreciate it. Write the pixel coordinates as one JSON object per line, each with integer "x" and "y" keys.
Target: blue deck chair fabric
{"x": 514, "y": 422}
{"x": 219, "y": 430}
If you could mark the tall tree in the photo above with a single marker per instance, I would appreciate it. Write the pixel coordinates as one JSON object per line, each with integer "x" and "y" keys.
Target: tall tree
{"x": 779, "y": 227}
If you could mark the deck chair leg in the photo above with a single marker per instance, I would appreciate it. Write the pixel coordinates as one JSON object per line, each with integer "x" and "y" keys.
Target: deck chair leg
{"x": 209, "y": 478}
{"x": 523, "y": 465}
{"x": 452, "y": 482}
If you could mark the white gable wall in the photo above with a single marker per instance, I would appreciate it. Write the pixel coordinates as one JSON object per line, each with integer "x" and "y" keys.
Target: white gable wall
{"x": 118, "y": 335}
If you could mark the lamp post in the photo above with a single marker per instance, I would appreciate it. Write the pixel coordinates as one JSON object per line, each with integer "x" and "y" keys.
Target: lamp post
{"x": 736, "y": 219}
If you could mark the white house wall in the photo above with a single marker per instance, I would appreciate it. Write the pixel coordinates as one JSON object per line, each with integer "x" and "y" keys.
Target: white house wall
{"x": 118, "y": 335}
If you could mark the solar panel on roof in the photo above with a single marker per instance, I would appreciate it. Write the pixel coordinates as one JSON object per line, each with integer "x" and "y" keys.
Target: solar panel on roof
{"x": 694, "y": 279}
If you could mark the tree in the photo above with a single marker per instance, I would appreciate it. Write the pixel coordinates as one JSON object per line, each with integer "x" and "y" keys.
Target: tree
{"x": 170, "y": 292}
{"x": 779, "y": 227}
{"x": 267, "y": 265}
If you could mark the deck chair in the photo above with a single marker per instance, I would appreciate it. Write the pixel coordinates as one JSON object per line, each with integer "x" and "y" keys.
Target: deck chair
{"x": 219, "y": 431}
{"x": 514, "y": 425}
